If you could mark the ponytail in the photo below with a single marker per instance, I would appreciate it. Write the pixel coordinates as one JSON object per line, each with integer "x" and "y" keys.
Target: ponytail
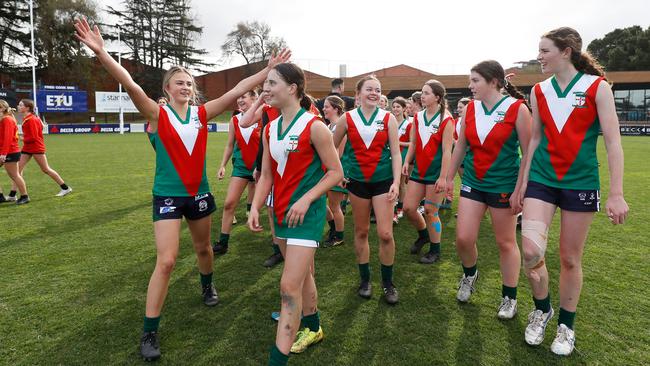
{"x": 513, "y": 91}
{"x": 585, "y": 63}
{"x": 305, "y": 102}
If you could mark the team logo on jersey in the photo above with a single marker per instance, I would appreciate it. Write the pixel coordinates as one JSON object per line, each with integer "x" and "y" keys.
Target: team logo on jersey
{"x": 380, "y": 125}
{"x": 169, "y": 201}
{"x": 203, "y": 205}
{"x": 293, "y": 144}
{"x": 580, "y": 100}
{"x": 500, "y": 117}
{"x": 197, "y": 123}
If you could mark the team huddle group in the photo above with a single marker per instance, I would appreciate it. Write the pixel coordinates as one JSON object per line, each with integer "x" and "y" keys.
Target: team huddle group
{"x": 304, "y": 160}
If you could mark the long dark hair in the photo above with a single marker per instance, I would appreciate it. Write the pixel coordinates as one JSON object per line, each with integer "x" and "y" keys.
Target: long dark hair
{"x": 566, "y": 37}
{"x": 492, "y": 70}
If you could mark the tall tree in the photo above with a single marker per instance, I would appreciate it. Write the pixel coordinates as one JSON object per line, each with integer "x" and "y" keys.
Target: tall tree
{"x": 158, "y": 33}
{"x": 252, "y": 41}
{"x": 14, "y": 34}
{"x": 623, "y": 49}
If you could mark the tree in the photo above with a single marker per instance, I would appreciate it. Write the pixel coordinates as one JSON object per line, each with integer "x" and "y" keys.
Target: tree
{"x": 14, "y": 34}
{"x": 158, "y": 33}
{"x": 252, "y": 41}
{"x": 623, "y": 49}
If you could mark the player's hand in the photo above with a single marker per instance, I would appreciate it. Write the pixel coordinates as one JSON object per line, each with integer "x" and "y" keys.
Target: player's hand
{"x": 516, "y": 202}
{"x": 281, "y": 57}
{"x": 254, "y": 220}
{"x": 256, "y": 175}
{"x": 450, "y": 189}
{"x": 297, "y": 212}
{"x": 617, "y": 209}
{"x": 393, "y": 192}
{"x": 3, "y": 158}
{"x": 440, "y": 186}
{"x": 221, "y": 173}
{"x": 405, "y": 169}
{"x": 91, "y": 38}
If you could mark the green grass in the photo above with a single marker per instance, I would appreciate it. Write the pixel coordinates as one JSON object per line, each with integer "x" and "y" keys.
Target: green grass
{"x": 74, "y": 273}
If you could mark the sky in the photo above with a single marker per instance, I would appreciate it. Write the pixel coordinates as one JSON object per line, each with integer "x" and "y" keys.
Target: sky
{"x": 439, "y": 37}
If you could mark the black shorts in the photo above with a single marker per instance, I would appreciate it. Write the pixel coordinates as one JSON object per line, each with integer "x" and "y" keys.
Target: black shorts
{"x": 193, "y": 208}
{"x": 578, "y": 200}
{"x": 247, "y": 177}
{"x": 32, "y": 153}
{"x": 422, "y": 181}
{"x": 494, "y": 200}
{"x": 368, "y": 190}
{"x": 12, "y": 158}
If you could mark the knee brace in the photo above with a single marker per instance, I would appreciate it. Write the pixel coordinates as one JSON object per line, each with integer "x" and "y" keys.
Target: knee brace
{"x": 537, "y": 232}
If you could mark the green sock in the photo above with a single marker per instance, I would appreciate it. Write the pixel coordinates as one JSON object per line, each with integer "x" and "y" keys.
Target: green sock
{"x": 399, "y": 205}
{"x": 223, "y": 239}
{"x": 338, "y": 234}
{"x": 544, "y": 304}
{"x": 469, "y": 271}
{"x": 423, "y": 234}
{"x": 386, "y": 274}
{"x": 276, "y": 249}
{"x": 151, "y": 324}
{"x": 248, "y": 206}
{"x": 434, "y": 247}
{"x": 364, "y": 272}
{"x": 566, "y": 317}
{"x": 312, "y": 321}
{"x": 277, "y": 358}
{"x": 206, "y": 279}
{"x": 332, "y": 225}
{"x": 511, "y": 292}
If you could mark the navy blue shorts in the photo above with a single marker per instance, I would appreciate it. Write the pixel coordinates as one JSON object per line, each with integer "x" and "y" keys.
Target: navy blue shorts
{"x": 174, "y": 208}
{"x": 494, "y": 200}
{"x": 367, "y": 190}
{"x": 578, "y": 200}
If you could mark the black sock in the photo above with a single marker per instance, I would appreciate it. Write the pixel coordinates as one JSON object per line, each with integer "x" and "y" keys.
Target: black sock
{"x": 276, "y": 249}
{"x": 23, "y": 196}
{"x": 566, "y": 317}
{"x": 338, "y": 235}
{"x": 332, "y": 225}
{"x": 544, "y": 304}
{"x": 2, "y": 195}
{"x": 511, "y": 292}
{"x": 64, "y": 186}
{"x": 434, "y": 247}
{"x": 206, "y": 279}
{"x": 223, "y": 239}
{"x": 469, "y": 271}
{"x": 151, "y": 324}
{"x": 423, "y": 234}
{"x": 12, "y": 193}
{"x": 248, "y": 206}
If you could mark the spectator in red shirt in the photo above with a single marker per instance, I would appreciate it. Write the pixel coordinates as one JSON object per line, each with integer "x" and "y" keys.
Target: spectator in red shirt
{"x": 10, "y": 151}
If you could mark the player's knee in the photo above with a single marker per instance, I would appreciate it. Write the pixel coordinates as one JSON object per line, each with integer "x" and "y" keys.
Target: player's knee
{"x": 361, "y": 235}
{"x": 570, "y": 261}
{"x": 385, "y": 237}
{"x": 534, "y": 235}
{"x": 289, "y": 288}
{"x": 166, "y": 265}
{"x": 229, "y": 205}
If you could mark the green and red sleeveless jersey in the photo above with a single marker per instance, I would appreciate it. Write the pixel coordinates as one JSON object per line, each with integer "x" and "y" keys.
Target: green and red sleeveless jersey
{"x": 180, "y": 145}
{"x": 428, "y": 145}
{"x": 492, "y": 160}
{"x": 246, "y": 147}
{"x": 566, "y": 155}
{"x": 367, "y": 150}
{"x": 296, "y": 168}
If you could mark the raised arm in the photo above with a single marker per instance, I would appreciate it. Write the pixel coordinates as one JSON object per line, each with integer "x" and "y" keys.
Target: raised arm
{"x": 253, "y": 114}
{"x": 93, "y": 40}
{"x": 217, "y": 106}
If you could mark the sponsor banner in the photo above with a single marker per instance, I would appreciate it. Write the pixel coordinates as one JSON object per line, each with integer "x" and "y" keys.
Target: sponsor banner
{"x": 87, "y": 128}
{"x": 9, "y": 96}
{"x": 638, "y": 130}
{"x": 61, "y": 101}
{"x": 109, "y": 102}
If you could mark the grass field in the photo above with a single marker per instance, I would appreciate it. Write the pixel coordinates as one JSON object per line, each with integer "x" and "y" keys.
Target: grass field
{"x": 74, "y": 272}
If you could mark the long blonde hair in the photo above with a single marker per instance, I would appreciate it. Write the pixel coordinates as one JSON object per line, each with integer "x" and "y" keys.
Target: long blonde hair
{"x": 195, "y": 99}
{"x": 6, "y": 109}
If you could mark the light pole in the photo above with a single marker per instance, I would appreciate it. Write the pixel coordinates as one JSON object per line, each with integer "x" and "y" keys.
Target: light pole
{"x": 31, "y": 22}
{"x": 119, "y": 60}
